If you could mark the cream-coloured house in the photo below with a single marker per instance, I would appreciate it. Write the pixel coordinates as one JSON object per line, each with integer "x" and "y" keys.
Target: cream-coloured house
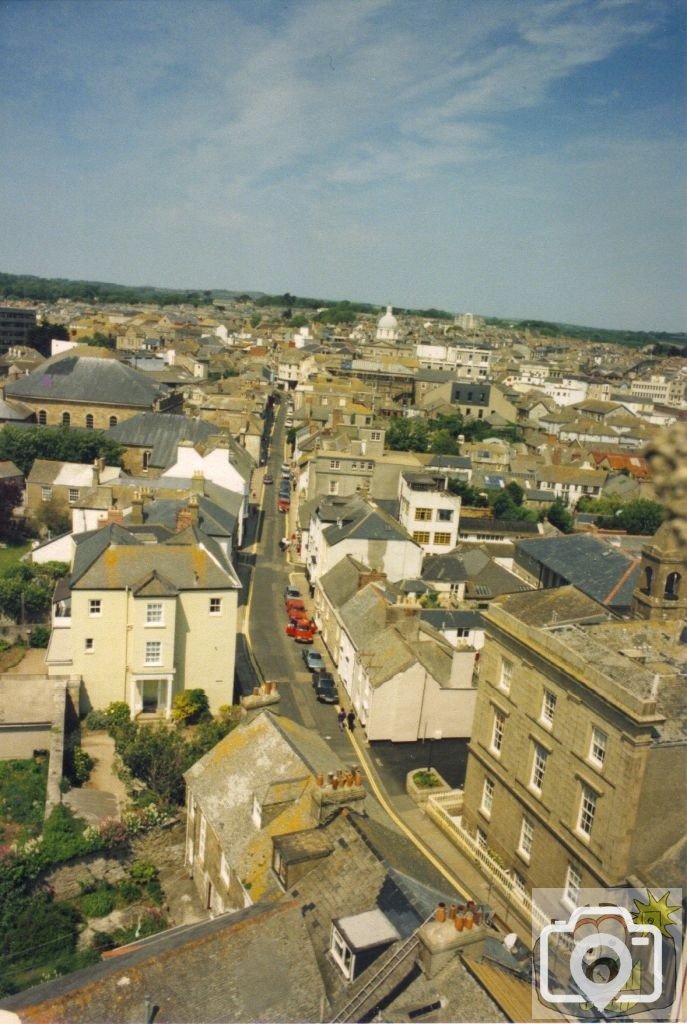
{"x": 142, "y": 619}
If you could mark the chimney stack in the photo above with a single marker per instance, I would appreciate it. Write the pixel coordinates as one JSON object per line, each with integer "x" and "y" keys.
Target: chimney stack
{"x": 184, "y": 519}
{"x": 136, "y": 514}
{"x": 198, "y": 482}
{"x": 194, "y": 509}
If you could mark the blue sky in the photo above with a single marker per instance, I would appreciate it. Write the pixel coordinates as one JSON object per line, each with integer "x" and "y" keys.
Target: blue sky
{"x": 519, "y": 158}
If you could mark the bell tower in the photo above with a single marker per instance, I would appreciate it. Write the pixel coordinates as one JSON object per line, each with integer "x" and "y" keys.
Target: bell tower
{"x": 661, "y": 591}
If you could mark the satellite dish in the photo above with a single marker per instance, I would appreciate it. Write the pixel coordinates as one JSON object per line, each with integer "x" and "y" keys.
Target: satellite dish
{"x": 510, "y": 942}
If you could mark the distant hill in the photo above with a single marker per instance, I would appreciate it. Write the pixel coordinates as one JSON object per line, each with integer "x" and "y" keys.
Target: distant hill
{"x": 633, "y": 339}
{"x": 51, "y": 289}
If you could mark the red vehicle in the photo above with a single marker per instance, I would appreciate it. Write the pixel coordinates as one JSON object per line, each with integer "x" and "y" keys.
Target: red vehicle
{"x": 301, "y": 631}
{"x": 296, "y": 615}
{"x": 295, "y": 604}
{"x": 283, "y": 505}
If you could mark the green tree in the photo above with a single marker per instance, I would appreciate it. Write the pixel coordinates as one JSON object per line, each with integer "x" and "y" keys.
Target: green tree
{"x": 159, "y": 757}
{"x": 54, "y": 516}
{"x": 443, "y": 443}
{"x": 11, "y": 497}
{"x": 559, "y": 516}
{"x": 190, "y": 706}
{"x": 23, "y": 447}
{"x": 641, "y": 516}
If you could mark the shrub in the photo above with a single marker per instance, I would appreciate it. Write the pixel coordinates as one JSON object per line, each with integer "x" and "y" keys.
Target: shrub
{"x": 426, "y": 779}
{"x": 99, "y": 903}
{"x": 190, "y": 706}
{"x": 143, "y": 871}
{"x": 40, "y": 635}
{"x": 118, "y": 716}
{"x": 96, "y": 719}
{"x": 113, "y": 832}
{"x": 64, "y": 836}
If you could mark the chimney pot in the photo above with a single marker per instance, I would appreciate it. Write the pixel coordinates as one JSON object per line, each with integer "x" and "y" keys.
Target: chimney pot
{"x": 440, "y": 912}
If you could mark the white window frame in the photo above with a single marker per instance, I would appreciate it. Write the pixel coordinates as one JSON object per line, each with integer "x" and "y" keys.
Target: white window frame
{"x": 95, "y": 607}
{"x": 481, "y": 837}
{"x": 598, "y": 741}
{"x": 46, "y": 493}
{"x": 341, "y": 953}
{"x": 224, "y": 870}
{"x": 74, "y": 495}
{"x": 586, "y": 811}
{"x": 215, "y": 606}
{"x": 548, "y": 708}
{"x": 526, "y": 838}
{"x": 539, "y": 762}
{"x": 152, "y": 616}
{"x": 487, "y": 801}
{"x": 335, "y": 464}
{"x": 149, "y": 654}
{"x": 573, "y": 885}
{"x": 202, "y": 836}
{"x": 498, "y": 727}
{"x": 423, "y": 515}
{"x": 506, "y": 675}
{"x": 333, "y": 486}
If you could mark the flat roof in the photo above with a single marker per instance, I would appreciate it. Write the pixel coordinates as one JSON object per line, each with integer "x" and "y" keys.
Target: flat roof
{"x": 363, "y": 931}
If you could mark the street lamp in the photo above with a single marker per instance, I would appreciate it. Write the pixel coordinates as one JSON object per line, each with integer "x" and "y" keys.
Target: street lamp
{"x": 436, "y": 735}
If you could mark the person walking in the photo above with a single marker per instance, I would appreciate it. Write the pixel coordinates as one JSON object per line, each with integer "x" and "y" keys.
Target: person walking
{"x": 350, "y": 718}
{"x": 341, "y": 719}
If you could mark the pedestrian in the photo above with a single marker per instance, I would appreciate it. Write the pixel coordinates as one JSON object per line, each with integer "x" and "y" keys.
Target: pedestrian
{"x": 341, "y": 719}
{"x": 350, "y": 718}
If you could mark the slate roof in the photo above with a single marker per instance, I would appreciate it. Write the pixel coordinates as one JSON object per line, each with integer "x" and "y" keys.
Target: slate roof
{"x": 598, "y": 569}
{"x": 558, "y": 605}
{"x": 73, "y": 378}
{"x": 506, "y": 527}
{"x": 8, "y": 470}
{"x": 275, "y": 760}
{"x": 364, "y": 615}
{"x": 341, "y": 582}
{"x": 484, "y": 577}
{"x": 371, "y": 523}
{"x": 446, "y": 618}
{"x": 72, "y": 474}
{"x": 161, "y": 432}
{"x": 113, "y": 558}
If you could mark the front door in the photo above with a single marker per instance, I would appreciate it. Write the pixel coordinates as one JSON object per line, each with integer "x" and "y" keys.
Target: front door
{"x": 150, "y": 695}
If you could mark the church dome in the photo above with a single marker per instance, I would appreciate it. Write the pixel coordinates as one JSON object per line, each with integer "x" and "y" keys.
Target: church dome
{"x": 388, "y": 321}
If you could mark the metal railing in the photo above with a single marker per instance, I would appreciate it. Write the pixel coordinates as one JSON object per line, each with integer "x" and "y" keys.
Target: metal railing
{"x": 438, "y": 810}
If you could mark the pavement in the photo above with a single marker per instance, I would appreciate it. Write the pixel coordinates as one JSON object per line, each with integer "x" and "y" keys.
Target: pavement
{"x": 104, "y": 795}
{"x": 269, "y": 654}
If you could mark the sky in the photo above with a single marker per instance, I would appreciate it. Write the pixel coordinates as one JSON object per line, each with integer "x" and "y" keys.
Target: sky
{"x": 514, "y": 158}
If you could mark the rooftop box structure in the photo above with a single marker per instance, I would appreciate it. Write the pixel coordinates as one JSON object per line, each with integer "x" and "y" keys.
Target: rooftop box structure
{"x": 358, "y": 940}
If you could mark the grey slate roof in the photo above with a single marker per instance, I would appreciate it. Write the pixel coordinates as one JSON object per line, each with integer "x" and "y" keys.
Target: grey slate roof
{"x": 114, "y": 558}
{"x": 598, "y": 569}
{"x": 161, "y": 432}
{"x": 341, "y": 582}
{"x": 366, "y": 522}
{"x": 446, "y": 618}
{"x": 87, "y": 379}
{"x": 484, "y": 577}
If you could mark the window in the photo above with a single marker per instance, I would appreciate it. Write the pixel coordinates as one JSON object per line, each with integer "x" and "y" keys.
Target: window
{"x": 46, "y": 493}
{"x": 375, "y": 435}
{"x": 526, "y": 838}
{"x": 335, "y": 464}
{"x": 202, "y": 835}
{"x": 497, "y": 731}
{"x": 112, "y": 421}
{"x": 88, "y": 645}
{"x": 445, "y": 515}
{"x": 89, "y": 422}
{"x": 481, "y": 837}
{"x": 587, "y": 811}
{"x": 342, "y": 954}
{"x": 548, "y": 708}
{"x": 487, "y": 797}
{"x": 66, "y": 419}
{"x": 423, "y": 514}
{"x": 153, "y": 652}
{"x": 442, "y": 538}
{"x": 506, "y": 674}
{"x": 145, "y": 461}
{"x": 73, "y": 494}
{"x": 573, "y": 884}
{"x": 538, "y": 767}
{"x": 154, "y": 613}
{"x": 95, "y": 606}
{"x": 215, "y": 606}
{"x": 597, "y": 747}
{"x": 333, "y": 486}
{"x": 42, "y": 417}
{"x": 224, "y": 870}
{"x": 420, "y": 537}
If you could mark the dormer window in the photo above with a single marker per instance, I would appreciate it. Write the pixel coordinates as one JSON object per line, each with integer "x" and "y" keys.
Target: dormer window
{"x": 357, "y": 941}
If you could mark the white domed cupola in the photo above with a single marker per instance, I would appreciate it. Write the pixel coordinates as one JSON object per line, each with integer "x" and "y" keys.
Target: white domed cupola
{"x": 387, "y": 327}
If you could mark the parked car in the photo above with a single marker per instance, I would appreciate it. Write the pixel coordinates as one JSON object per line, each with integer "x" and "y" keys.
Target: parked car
{"x": 304, "y": 633}
{"x": 285, "y": 468}
{"x": 283, "y": 505}
{"x": 322, "y": 676}
{"x": 297, "y": 626}
{"x": 327, "y": 693}
{"x": 268, "y": 478}
{"x": 314, "y": 661}
{"x": 293, "y": 603}
{"x": 291, "y": 592}
{"x": 285, "y": 488}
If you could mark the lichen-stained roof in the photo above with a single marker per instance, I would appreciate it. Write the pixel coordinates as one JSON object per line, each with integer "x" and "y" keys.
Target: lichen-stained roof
{"x": 341, "y": 582}
{"x": 161, "y": 432}
{"x": 372, "y": 524}
{"x": 275, "y": 760}
{"x": 239, "y": 967}
{"x": 69, "y": 474}
{"x": 403, "y": 644}
{"x": 81, "y": 378}
{"x": 189, "y": 560}
{"x": 364, "y": 615}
